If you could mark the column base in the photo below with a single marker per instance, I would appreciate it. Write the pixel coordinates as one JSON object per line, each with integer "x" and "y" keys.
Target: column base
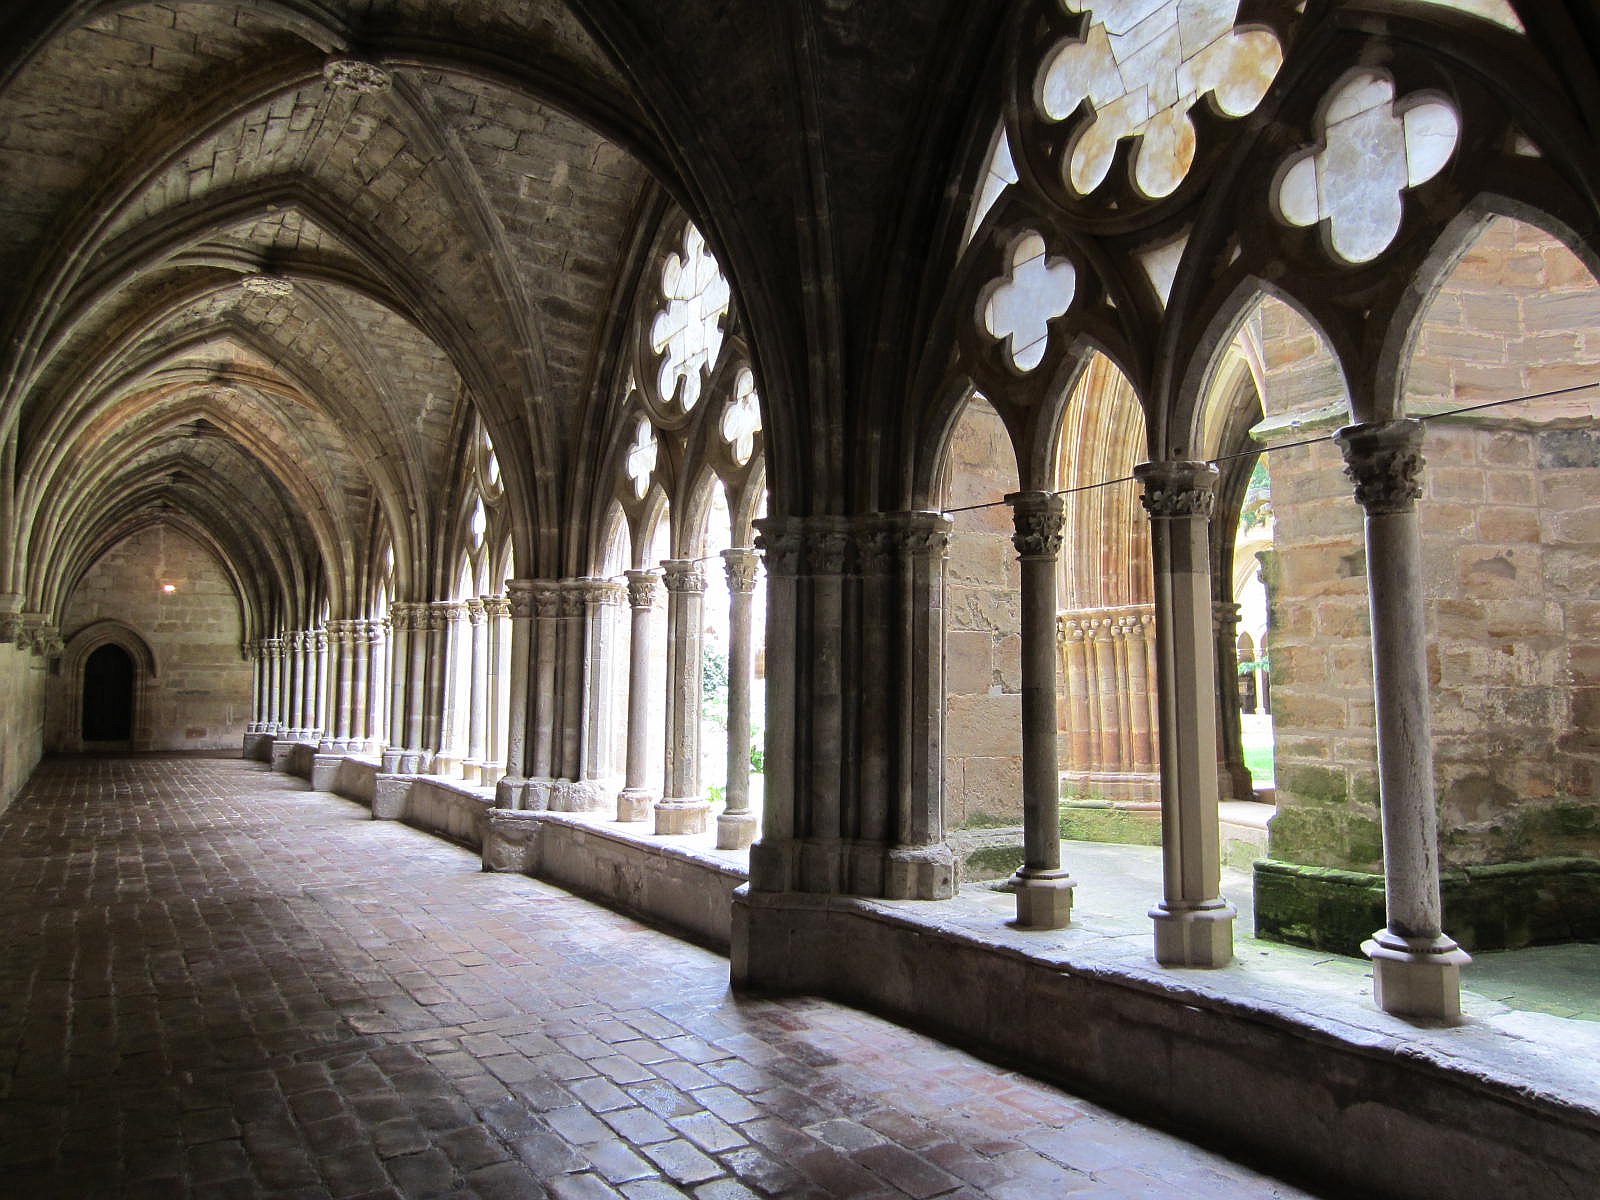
{"x": 682, "y": 815}
{"x": 508, "y": 791}
{"x": 391, "y": 762}
{"x": 736, "y": 831}
{"x": 920, "y": 873}
{"x": 472, "y": 772}
{"x": 1194, "y": 937}
{"x": 635, "y": 804}
{"x": 445, "y": 765}
{"x": 1416, "y": 977}
{"x": 1044, "y": 898}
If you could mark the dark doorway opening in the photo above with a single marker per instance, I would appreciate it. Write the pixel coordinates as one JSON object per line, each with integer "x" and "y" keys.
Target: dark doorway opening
{"x": 108, "y": 695}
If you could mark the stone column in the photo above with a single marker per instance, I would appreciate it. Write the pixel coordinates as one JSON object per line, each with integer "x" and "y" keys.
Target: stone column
{"x": 1233, "y": 776}
{"x": 365, "y": 641}
{"x": 295, "y": 717}
{"x": 273, "y": 647}
{"x": 635, "y": 802}
{"x": 920, "y": 865}
{"x": 1416, "y": 967}
{"x": 1193, "y": 924}
{"x": 597, "y": 761}
{"x": 399, "y": 656}
{"x": 547, "y": 610}
{"x": 736, "y": 826}
{"x": 683, "y": 809}
{"x": 342, "y": 636}
{"x": 445, "y": 697}
{"x": 258, "y": 687}
{"x": 477, "y": 706}
{"x": 417, "y": 688}
{"x": 497, "y": 614}
{"x": 572, "y": 639}
{"x": 319, "y": 717}
{"x": 519, "y": 600}
{"x": 1043, "y": 889}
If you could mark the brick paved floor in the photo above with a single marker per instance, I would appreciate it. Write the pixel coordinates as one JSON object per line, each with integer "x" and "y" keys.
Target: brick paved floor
{"x": 215, "y": 984}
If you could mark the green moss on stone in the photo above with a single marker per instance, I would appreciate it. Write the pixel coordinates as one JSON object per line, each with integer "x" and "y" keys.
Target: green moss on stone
{"x": 992, "y": 862}
{"x": 1314, "y": 785}
{"x": 1098, "y": 822}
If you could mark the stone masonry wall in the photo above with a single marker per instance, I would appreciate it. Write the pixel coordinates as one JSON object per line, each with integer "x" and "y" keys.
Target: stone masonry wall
{"x": 983, "y": 664}
{"x": 1511, "y": 541}
{"x": 22, "y": 687}
{"x": 201, "y": 696}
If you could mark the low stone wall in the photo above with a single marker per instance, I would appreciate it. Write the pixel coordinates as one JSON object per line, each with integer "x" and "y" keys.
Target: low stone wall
{"x": 1347, "y": 1098}
{"x": 670, "y": 885}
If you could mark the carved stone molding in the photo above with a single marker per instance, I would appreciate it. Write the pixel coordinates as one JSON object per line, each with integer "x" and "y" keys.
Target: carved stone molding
{"x": 475, "y": 611}
{"x": 546, "y": 598}
{"x": 496, "y": 606}
{"x": 780, "y": 542}
{"x": 1384, "y": 460}
{"x": 1178, "y": 489}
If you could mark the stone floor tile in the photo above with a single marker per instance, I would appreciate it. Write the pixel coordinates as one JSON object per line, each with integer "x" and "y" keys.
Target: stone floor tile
{"x": 275, "y": 996}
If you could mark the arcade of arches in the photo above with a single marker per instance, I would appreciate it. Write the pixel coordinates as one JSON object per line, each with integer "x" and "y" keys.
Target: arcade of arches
{"x": 856, "y": 452}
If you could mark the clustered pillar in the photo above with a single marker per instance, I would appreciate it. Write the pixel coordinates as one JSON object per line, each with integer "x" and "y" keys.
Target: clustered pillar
{"x": 1416, "y": 967}
{"x": 636, "y": 802}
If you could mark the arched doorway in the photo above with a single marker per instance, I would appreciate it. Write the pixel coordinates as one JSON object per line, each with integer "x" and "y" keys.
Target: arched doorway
{"x": 108, "y": 676}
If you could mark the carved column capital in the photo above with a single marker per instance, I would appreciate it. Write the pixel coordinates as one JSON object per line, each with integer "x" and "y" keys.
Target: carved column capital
{"x": 830, "y": 548}
{"x": 683, "y": 575}
{"x": 446, "y": 612}
{"x": 546, "y": 598}
{"x": 741, "y": 565}
{"x": 475, "y": 610}
{"x": 519, "y": 597}
{"x": 1039, "y": 518}
{"x": 496, "y": 606}
{"x": 1384, "y": 460}
{"x": 1181, "y": 488}
{"x": 780, "y": 541}
{"x": 642, "y": 586}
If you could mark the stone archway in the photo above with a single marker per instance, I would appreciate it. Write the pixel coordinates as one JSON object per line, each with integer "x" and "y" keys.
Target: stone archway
{"x": 87, "y": 664}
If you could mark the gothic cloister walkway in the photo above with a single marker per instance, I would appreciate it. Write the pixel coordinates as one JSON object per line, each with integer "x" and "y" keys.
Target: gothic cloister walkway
{"x": 215, "y": 983}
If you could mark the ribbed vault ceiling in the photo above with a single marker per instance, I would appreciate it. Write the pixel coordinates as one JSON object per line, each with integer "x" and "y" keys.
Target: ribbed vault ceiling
{"x": 263, "y": 306}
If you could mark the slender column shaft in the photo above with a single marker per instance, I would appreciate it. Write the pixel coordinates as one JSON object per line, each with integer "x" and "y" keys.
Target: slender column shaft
{"x": 297, "y": 680}
{"x": 417, "y": 676}
{"x": 399, "y": 656}
{"x": 275, "y": 683}
{"x": 445, "y": 695}
{"x": 635, "y": 800}
{"x": 920, "y": 865}
{"x": 1193, "y": 924}
{"x": 1417, "y": 968}
{"x": 477, "y": 706}
{"x": 1043, "y": 889}
{"x": 343, "y": 634}
{"x": 519, "y": 598}
{"x": 365, "y": 651}
{"x": 683, "y": 809}
{"x": 1139, "y": 693}
{"x": 547, "y": 608}
{"x": 573, "y": 639}
{"x": 1080, "y": 726}
{"x": 258, "y": 685}
{"x": 319, "y": 717}
{"x": 498, "y": 617}
{"x": 735, "y": 825}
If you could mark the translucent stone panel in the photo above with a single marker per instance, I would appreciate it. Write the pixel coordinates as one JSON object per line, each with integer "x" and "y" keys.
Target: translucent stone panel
{"x": 1035, "y": 290}
{"x": 1371, "y": 155}
{"x": 742, "y": 419}
{"x": 686, "y": 331}
{"x": 640, "y": 463}
{"x": 1000, "y": 174}
{"x": 1142, "y": 66}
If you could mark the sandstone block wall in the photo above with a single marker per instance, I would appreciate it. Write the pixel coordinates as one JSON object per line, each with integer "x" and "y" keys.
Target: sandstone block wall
{"x": 1511, "y": 540}
{"x": 983, "y": 650}
{"x": 200, "y": 697}
{"x": 22, "y": 707}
